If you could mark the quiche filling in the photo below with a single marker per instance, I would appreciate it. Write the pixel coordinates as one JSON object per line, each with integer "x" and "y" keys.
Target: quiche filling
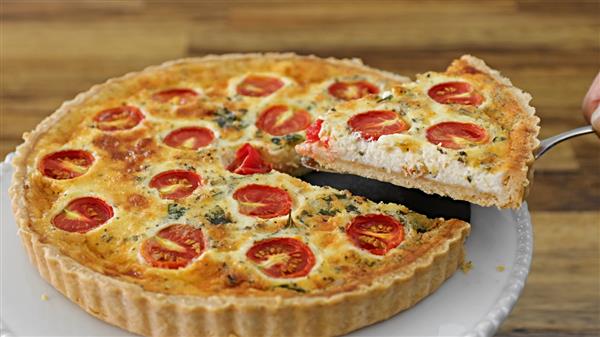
{"x": 173, "y": 183}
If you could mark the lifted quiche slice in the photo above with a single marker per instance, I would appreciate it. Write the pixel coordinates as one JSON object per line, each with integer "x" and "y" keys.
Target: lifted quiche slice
{"x": 467, "y": 133}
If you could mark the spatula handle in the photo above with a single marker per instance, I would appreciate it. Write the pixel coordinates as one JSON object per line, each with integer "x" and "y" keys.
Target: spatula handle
{"x": 548, "y": 143}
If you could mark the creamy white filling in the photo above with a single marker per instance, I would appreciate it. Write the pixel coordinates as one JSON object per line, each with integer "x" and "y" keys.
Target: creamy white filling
{"x": 426, "y": 162}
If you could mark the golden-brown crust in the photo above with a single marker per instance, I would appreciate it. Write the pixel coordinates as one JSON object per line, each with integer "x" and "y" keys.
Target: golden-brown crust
{"x": 155, "y": 314}
{"x": 523, "y": 138}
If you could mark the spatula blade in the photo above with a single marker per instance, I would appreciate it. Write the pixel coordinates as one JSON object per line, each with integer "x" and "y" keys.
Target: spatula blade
{"x": 432, "y": 206}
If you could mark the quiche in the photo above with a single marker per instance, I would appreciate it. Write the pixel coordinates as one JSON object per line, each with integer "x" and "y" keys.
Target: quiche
{"x": 165, "y": 202}
{"x": 467, "y": 133}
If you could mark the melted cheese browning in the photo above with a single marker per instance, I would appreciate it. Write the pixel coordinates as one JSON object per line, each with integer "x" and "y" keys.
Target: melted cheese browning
{"x": 126, "y": 161}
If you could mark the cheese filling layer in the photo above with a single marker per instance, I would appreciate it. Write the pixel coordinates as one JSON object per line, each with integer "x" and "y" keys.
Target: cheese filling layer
{"x": 427, "y": 162}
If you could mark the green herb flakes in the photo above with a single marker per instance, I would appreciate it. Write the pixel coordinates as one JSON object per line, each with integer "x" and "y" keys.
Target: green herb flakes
{"x": 292, "y": 287}
{"x": 217, "y": 216}
{"x": 176, "y": 211}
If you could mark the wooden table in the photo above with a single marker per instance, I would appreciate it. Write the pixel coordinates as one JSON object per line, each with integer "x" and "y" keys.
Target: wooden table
{"x": 50, "y": 51}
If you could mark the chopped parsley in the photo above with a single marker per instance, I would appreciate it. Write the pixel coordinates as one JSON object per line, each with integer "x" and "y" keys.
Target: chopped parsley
{"x": 228, "y": 119}
{"x": 328, "y": 212}
{"x": 291, "y": 139}
{"x": 292, "y": 287}
{"x": 176, "y": 211}
{"x": 419, "y": 227}
{"x": 217, "y": 216}
{"x": 351, "y": 208}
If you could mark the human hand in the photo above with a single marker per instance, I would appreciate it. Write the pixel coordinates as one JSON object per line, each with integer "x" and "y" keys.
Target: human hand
{"x": 591, "y": 105}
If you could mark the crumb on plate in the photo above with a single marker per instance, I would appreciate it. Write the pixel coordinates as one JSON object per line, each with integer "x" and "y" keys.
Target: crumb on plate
{"x": 466, "y": 266}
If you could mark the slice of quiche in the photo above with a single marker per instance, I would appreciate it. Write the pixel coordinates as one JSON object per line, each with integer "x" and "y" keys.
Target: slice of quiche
{"x": 466, "y": 133}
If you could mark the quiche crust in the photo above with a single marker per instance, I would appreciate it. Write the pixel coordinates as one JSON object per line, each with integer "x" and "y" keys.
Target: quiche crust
{"x": 523, "y": 140}
{"x": 153, "y": 314}
{"x": 150, "y": 313}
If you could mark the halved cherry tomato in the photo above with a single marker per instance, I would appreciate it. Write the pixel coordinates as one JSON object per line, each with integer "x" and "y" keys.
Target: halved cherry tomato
{"x": 119, "y": 118}
{"x": 66, "y": 164}
{"x": 456, "y": 135}
{"x": 280, "y": 120}
{"x": 259, "y": 86}
{"x": 189, "y": 138}
{"x": 455, "y": 93}
{"x": 352, "y": 90}
{"x": 248, "y": 161}
{"x": 282, "y": 257}
{"x": 376, "y": 233}
{"x": 173, "y": 247}
{"x": 183, "y": 96}
{"x": 83, "y": 214}
{"x": 312, "y": 132}
{"x": 263, "y": 201}
{"x": 376, "y": 123}
{"x": 175, "y": 184}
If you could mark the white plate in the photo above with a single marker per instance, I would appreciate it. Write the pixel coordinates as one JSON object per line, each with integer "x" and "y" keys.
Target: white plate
{"x": 472, "y": 304}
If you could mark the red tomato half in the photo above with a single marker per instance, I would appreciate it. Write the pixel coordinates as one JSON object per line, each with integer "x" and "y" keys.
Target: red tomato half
{"x": 280, "y": 120}
{"x": 248, "y": 161}
{"x": 312, "y": 132}
{"x": 189, "y": 138}
{"x": 282, "y": 257}
{"x": 376, "y": 123}
{"x": 120, "y": 118}
{"x": 259, "y": 86}
{"x": 376, "y": 233}
{"x": 183, "y": 96}
{"x": 66, "y": 164}
{"x": 173, "y": 247}
{"x": 456, "y": 135}
{"x": 455, "y": 93}
{"x": 352, "y": 90}
{"x": 175, "y": 184}
{"x": 83, "y": 214}
{"x": 263, "y": 201}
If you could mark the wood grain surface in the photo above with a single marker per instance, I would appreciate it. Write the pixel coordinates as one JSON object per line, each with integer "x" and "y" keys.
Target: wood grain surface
{"x": 52, "y": 50}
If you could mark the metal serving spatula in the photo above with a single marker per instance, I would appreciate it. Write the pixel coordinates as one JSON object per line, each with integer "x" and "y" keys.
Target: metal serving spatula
{"x": 430, "y": 205}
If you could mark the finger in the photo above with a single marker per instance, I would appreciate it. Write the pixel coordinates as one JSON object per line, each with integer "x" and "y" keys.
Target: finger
{"x": 595, "y": 120}
{"x": 591, "y": 101}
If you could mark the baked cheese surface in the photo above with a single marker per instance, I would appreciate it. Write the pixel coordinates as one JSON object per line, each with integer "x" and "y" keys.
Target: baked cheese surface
{"x": 170, "y": 179}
